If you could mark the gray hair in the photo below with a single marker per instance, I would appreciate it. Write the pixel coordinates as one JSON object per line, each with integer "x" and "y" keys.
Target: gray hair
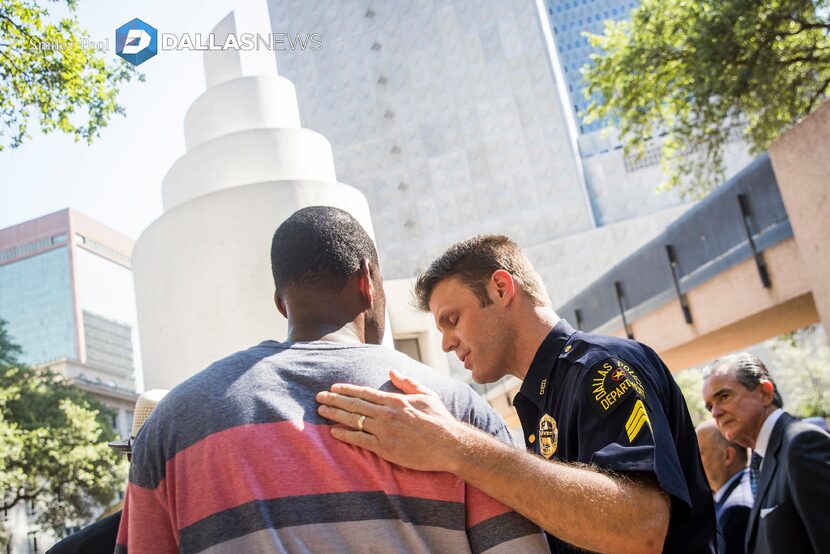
{"x": 748, "y": 369}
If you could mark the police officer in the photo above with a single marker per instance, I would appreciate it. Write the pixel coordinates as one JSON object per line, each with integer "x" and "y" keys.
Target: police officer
{"x": 616, "y": 465}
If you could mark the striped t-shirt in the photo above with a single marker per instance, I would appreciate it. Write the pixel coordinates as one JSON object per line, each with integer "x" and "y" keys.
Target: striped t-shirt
{"x": 236, "y": 460}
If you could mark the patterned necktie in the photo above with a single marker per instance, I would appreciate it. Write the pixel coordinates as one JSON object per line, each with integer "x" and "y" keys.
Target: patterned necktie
{"x": 754, "y": 471}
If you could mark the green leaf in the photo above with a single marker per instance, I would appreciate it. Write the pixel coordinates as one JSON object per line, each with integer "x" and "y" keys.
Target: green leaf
{"x": 47, "y": 77}
{"x": 706, "y": 72}
{"x": 53, "y": 444}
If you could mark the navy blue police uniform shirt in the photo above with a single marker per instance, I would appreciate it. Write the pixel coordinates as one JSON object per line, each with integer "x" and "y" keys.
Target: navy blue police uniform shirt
{"x": 612, "y": 403}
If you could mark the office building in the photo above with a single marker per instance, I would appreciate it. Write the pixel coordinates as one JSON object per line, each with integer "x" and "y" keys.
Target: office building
{"x": 66, "y": 294}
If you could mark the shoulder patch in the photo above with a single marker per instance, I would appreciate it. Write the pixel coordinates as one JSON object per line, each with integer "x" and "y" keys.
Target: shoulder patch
{"x": 609, "y": 383}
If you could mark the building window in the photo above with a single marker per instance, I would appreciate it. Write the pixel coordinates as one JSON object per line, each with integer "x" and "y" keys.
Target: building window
{"x": 30, "y": 508}
{"x": 650, "y": 157}
{"x": 410, "y": 347}
{"x": 33, "y": 542}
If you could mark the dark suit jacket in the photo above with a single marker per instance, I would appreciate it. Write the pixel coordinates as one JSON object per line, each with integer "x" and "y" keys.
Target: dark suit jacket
{"x": 790, "y": 513}
{"x": 96, "y": 538}
{"x": 732, "y": 512}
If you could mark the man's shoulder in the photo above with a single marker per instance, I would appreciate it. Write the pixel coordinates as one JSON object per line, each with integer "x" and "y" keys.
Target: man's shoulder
{"x": 590, "y": 350}
{"x": 459, "y": 398}
{"x": 228, "y": 367}
{"x": 801, "y": 438}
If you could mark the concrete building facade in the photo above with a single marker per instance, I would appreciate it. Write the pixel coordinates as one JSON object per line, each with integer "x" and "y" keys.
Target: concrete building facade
{"x": 751, "y": 261}
{"x": 448, "y": 116}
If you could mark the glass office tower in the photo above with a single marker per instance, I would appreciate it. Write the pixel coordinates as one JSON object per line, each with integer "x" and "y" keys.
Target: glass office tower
{"x": 66, "y": 294}
{"x": 569, "y": 21}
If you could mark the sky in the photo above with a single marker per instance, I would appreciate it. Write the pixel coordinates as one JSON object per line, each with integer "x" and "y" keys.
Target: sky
{"x": 117, "y": 180}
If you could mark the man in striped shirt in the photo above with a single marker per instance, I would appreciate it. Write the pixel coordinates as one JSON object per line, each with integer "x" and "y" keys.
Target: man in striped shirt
{"x": 236, "y": 458}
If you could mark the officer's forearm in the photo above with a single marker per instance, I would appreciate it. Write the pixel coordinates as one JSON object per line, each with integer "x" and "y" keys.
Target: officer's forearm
{"x": 578, "y": 505}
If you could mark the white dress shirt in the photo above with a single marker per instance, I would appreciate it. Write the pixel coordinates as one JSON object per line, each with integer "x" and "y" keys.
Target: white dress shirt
{"x": 762, "y": 441}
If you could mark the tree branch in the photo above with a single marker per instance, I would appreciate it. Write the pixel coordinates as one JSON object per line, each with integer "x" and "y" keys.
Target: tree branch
{"x": 14, "y": 65}
{"x": 817, "y": 96}
{"x": 17, "y": 498}
{"x": 20, "y": 29}
{"x": 807, "y": 58}
{"x": 806, "y": 25}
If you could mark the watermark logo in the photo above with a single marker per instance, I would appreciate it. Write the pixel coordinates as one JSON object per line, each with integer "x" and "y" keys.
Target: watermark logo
{"x": 136, "y": 41}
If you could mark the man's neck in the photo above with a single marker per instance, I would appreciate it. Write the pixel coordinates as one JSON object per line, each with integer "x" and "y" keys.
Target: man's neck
{"x": 530, "y": 337}
{"x": 736, "y": 471}
{"x": 306, "y": 332}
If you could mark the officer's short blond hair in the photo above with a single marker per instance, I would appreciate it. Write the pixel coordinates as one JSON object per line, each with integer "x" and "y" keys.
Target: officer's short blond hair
{"x": 473, "y": 262}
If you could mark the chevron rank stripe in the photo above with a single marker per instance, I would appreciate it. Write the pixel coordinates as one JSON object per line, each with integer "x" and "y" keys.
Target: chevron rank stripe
{"x": 636, "y": 420}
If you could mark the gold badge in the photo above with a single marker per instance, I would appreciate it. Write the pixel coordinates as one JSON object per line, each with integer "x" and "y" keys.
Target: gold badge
{"x": 548, "y": 436}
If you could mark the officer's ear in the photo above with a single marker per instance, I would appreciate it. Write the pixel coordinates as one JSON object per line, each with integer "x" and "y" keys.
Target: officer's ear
{"x": 502, "y": 287}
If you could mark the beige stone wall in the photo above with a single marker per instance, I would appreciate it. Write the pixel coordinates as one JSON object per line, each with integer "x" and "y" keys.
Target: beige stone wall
{"x": 802, "y": 166}
{"x": 731, "y": 311}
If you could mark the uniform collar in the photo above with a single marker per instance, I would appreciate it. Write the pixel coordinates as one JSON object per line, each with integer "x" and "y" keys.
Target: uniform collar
{"x": 537, "y": 379}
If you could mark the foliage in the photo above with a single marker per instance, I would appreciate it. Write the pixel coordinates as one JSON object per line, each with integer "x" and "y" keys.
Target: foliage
{"x": 53, "y": 444}
{"x": 690, "y": 382}
{"x": 693, "y": 74}
{"x": 49, "y": 74}
{"x": 801, "y": 361}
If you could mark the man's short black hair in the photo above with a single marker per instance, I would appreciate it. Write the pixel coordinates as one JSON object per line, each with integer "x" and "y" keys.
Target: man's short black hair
{"x": 319, "y": 247}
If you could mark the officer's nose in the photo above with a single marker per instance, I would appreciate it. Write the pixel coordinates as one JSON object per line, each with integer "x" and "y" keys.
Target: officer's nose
{"x": 448, "y": 342}
{"x": 716, "y": 411}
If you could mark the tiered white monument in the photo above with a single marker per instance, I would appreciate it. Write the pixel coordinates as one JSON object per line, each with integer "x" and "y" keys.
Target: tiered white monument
{"x": 202, "y": 270}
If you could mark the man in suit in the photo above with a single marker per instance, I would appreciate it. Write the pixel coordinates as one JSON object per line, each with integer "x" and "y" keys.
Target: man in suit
{"x": 725, "y": 465}
{"x": 790, "y": 466}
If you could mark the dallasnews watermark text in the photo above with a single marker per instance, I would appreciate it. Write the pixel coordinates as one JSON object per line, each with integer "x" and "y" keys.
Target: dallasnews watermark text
{"x": 278, "y": 42}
